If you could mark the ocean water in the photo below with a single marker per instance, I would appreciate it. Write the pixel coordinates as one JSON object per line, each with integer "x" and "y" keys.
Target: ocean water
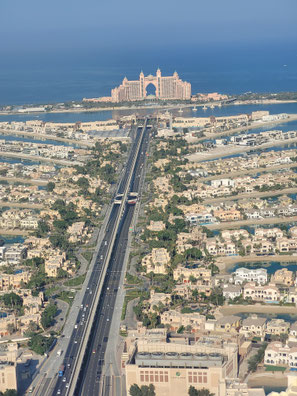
{"x": 56, "y": 76}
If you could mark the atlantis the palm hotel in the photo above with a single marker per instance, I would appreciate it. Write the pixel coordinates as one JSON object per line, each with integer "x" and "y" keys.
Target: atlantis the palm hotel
{"x": 167, "y": 87}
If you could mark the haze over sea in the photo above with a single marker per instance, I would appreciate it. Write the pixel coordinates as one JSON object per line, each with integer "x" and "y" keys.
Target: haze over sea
{"x": 57, "y": 76}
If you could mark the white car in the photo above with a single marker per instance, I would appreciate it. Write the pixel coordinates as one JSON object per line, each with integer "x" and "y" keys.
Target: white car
{"x": 59, "y": 392}
{"x": 64, "y": 379}
{"x": 67, "y": 385}
{"x": 75, "y": 326}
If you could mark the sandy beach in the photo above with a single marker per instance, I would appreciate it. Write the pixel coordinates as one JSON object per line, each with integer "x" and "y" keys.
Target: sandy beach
{"x": 241, "y": 223}
{"x": 254, "y": 194}
{"x": 42, "y": 136}
{"x": 24, "y": 180}
{"x": 38, "y": 158}
{"x": 21, "y": 205}
{"x": 252, "y": 171}
{"x": 4, "y": 231}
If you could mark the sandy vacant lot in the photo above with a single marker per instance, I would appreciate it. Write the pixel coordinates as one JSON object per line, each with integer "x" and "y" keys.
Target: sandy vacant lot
{"x": 257, "y": 308}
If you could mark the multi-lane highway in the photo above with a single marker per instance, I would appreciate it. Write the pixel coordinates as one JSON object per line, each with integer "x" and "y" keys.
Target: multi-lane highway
{"x": 90, "y": 378}
{"x": 103, "y": 284}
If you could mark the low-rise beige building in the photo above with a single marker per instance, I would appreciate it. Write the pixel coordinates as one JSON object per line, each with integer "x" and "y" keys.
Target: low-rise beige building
{"x": 183, "y": 274}
{"x": 283, "y": 277}
{"x": 253, "y": 326}
{"x": 8, "y": 376}
{"x": 156, "y": 226}
{"x": 76, "y": 231}
{"x": 157, "y": 261}
{"x": 172, "y": 368}
{"x": 264, "y": 293}
{"x": 14, "y": 281}
{"x": 174, "y": 319}
{"x": 277, "y": 327}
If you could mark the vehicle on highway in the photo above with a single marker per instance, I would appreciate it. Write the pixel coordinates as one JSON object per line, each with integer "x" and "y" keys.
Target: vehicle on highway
{"x": 59, "y": 392}
{"x": 132, "y": 201}
{"x": 61, "y": 370}
{"x": 64, "y": 379}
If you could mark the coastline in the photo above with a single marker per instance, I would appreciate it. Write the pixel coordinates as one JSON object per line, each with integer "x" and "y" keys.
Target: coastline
{"x": 144, "y": 107}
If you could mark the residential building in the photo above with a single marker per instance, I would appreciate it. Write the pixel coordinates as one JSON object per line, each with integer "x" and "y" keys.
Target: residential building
{"x": 186, "y": 290}
{"x": 200, "y": 218}
{"x": 157, "y": 299}
{"x": 14, "y": 281}
{"x": 292, "y": 295}
{"x": 231, "y": 291}
{"x": 276, "y": 353}
{"x": 201, "y": 274}
{"x": 156, "y": 226}
{"x": 76, "y": 231}
{"x": 269, "y": 233}
{"x": 175, "y": 320}
{"x": 227, "y": 215}
{"x": 233, "y": 387}
{"x": 277, "y": 327}
{"x": 267, "y": 293}
{"x": 253, "y": 326}
{"x": 216, "y": 248}
{"x": 228, "y": 324}
{"x": 283, "y": 277}
{"x": 258, "y": 275}
{"x": 15, "y": 253}
{"x": 293, "y": 332}
{"x": 237, "y": 234}
{"x": 157, "y": 261}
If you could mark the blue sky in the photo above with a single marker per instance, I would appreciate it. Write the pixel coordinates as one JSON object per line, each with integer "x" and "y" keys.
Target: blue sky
{"x": 35, "y": 24}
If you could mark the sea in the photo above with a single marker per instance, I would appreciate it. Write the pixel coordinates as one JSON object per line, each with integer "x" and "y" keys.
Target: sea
{"x": 49, "y": 75}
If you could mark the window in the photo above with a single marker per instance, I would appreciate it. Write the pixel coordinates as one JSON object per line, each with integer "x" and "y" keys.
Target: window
{"x": 199, "y": 377}
{"x": 154, "y": 376}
